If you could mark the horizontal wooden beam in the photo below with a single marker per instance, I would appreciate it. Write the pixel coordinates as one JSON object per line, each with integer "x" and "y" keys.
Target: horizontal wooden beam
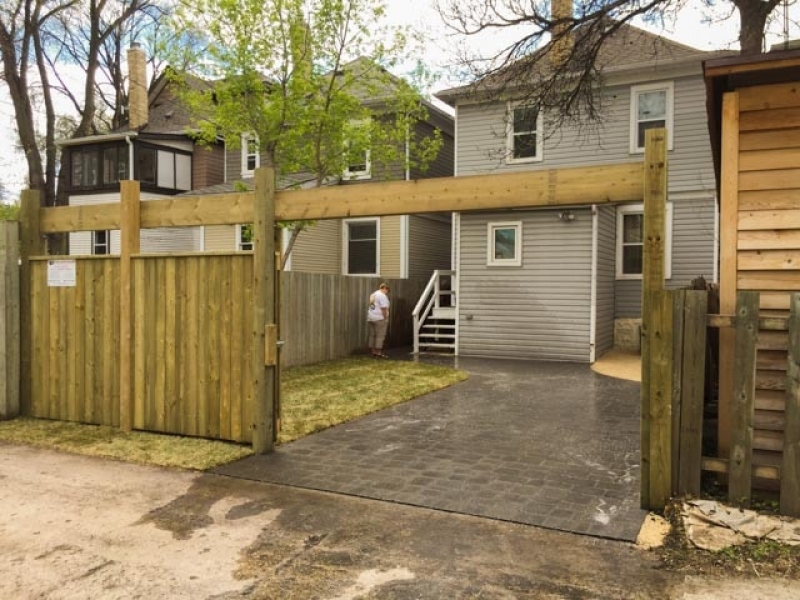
{"x": 720, "y": 465}
{"x": 764, "y": 323}
{"x": 552, "y": 187}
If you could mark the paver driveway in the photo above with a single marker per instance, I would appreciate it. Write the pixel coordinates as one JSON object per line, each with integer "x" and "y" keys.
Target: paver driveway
{"x": 548, "y": 444}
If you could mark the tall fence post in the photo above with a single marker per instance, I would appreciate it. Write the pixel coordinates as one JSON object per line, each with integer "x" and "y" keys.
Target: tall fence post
{"x": 264, "y": 311}
{"x": 743, "y": 406}
{"x": 790, "y": 469}
{"x": 9, "y": 320}
{"x": 130, "y": 235}
{"x": 31, "y": 243}
{"x": 660, "y": 382}
{"x": 655, "y": 194}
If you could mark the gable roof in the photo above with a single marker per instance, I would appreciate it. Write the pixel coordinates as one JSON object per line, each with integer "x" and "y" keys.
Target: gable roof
{"x": 628, "y": 49}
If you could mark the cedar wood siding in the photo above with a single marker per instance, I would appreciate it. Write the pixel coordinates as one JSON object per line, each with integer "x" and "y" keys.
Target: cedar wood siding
{"x": 606, "y": 258}
{"x": 481, "y": 147}
{"x": 166, "y": 239}
{"x": 537, "y": 311}
{"x": 428, "y": 246}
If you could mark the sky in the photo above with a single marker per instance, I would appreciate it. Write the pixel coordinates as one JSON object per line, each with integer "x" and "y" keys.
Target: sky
{"x": 689, "y": 29}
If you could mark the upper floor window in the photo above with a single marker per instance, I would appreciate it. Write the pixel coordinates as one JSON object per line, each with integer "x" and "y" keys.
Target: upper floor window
{"x": 504, "y": 248}
{"x": 244, "y": 237}
{"x": 98, "y": 166}
{"x": 524, "y": 139}
{"x": 630, "y": 241}
{"x": 251, "y": 156}
{"x": 361, "y": 246}
{"x": 357, "y": 151}
{"x": 101, "y": 242}
{"x": 651, "y": 107}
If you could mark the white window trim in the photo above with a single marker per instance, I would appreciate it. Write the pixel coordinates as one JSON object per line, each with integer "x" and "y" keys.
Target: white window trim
{"x": 346, "y": 246}
{"x": 639, "y": 209}
{"x": 246, "y": 137}
{"x": 669, "y": 87}
{"x": 93, "y": 242}
{"x": 365, "y": 173}
{"x": 491, "y": 261}
{"x": 239, "y": 239}
{"x": 510, "y": 137}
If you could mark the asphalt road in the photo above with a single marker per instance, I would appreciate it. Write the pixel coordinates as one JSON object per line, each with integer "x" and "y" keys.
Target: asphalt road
{"x": 81, "y": 528}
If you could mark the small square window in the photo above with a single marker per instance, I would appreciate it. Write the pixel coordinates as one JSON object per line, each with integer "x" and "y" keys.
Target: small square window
{"x": 504, "y": 244}
{"x": 524, "y": 142}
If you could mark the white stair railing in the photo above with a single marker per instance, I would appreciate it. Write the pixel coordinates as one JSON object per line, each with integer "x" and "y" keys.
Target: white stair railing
{"x": 430, "y": 302}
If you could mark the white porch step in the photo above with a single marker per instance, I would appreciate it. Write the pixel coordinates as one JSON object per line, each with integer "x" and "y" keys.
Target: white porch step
{"x": 432, "y": 345}
{"x": 439, "y": 326}
{"x": 443, "y": 312}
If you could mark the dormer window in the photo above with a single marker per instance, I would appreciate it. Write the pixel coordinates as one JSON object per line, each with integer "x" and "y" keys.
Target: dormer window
{"x": 251, "y": 156}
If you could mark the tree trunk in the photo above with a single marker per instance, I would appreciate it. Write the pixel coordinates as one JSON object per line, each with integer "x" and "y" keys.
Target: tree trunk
{"x": 753, "y": 18}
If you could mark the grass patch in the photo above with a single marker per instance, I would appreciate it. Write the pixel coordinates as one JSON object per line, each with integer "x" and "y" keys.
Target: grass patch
{"x": 315, "y": 397}
{"x": 319, "y": 396}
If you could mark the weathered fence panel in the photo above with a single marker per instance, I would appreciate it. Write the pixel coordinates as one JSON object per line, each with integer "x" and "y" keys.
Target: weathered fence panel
{"x": 790, "y": 469}
{"x": 74, "y": 341}
{"x": 9, "y": 320}
{"x": 192, "y": 344}
{"x": 324, "y": 316}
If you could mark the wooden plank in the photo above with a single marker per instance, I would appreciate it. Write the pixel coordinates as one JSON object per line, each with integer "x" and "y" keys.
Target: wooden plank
{"x": 38, "y": 340}
{"x": 171, "y": 337}
{"x": 770, "y": 400}
{"x": 768, "y": 440}
{"x": 9, "y": 321}
{"x": 778, "y": 179}
{"x": 774, "y": 301}
{"x": 75, "y": 349}
{"x": 728, "y": 228}
{"x": 604, "y": 184}
{"x": 91, "y": 267}
{"x": 770, "y": 380}
{"x": 790, "y": 468}
{"x": 693, "y": 388}
{"x": 193, "y": 324}
{"x": 660, "y": 397}
{"x": 212, "y": 340}
{"x": 246, "y": 390}
{"x": 109, "y": 341}
{"x": 773, "y": 340}
{"x": 720, "y": 465}
{"x": 237, "y": 328}
{"x": 678, "y": 340}
{"x": 769, "y": 420}
{"x": 769, "y": 160}
{"x": 773, "y": 239}
{"x": 655, "y": 192}
{"x": 757, "y": 62}
{"x": 202, "y": 349}
{"x": 160, "y": 316}
{"x": 764, "y": 260}
{"x": 740, "y": 483}
{"x": 770, "y": 219}
{"x": 769, "y": 139}
{"x": 768, "y": 199}
{"x": 778, "y": 118}
{"x": 771, "y": 360}
{"x": 767, "y": 97}
{"x": 768, "y": 280}
{"x": 130, "y": 208}
{"x": 182, "y": 374}
{"x": 140, "y": 344}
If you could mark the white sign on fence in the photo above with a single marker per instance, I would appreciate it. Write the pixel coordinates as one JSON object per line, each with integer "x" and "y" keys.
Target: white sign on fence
{"x": 61, "y": 273}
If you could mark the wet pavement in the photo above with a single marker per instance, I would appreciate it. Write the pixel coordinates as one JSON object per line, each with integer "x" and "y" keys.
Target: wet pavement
{"x": 540, "y": 443}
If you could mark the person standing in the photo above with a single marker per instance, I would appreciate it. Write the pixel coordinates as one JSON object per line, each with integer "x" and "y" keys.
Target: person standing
{"x": 378, "y": 319}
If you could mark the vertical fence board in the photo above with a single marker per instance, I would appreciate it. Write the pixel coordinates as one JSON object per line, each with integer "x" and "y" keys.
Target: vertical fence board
{"x": 190, "y": 330}
{"x": 234, "y": 418}
{"x": 213, "y": 281}
{"x": 139, "y": 345}
{"x": 9, "y": 321}
{"x": 742, "y": 408}
{"x": 660, "y": 396}
{"x": 90, "y": 325}
{"x": 31, "y": 243}
{"x": 225, "y": 344}
{"x": 692, "y": 391}
{"x": 790, "y": 469}
{"x": 170, "y": 343}
{"x": 678, "y": 316}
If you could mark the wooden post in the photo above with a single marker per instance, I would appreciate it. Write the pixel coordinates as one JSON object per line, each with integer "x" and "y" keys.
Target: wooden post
{"x": 9, "y": 320}
{"x": 31, "y": 243}
{"x": 655, "y": 193}
{"x": 660, "y": 396}
{"x": 130, "y": 223}
{"x": 728, "y": 228}
{"x": 263, "y": 309}
{"x": 692, "y": 391}
{"x": 790, "y": 469}
{"x": 742, "y": 408}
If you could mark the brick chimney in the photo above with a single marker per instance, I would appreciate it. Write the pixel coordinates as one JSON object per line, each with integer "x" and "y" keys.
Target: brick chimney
{"x": 137, "y": 88}
{"x": 562, "y": 41}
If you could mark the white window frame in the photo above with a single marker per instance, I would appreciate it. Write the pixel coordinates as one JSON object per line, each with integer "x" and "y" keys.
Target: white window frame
{"x": 94, "y": 245}
{"x": 240, "y": 243}
{"x": 510, "y": 134}
{"x": 366, "y": 173}
{"x": 491, "y": 227}
{"x": 629, "y": 209}
{"x": 346, "y": 246}
{"x": 246, "y": 154}
{"x": 669, "y": 118}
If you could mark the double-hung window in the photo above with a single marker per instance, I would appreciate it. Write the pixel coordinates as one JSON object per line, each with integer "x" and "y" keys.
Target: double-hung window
{"x": 251, "y": 157}
{"x": 630, "y": 241}
{"x": 101, "y": 243}
{"x": 244, "y": 237}
{"x": 504, "y": 244}
{"x": 357, "y": 160}
{"x": 524, "y": 133}
{"x": 651, "y": 107}
{"x": 361, "y": 246}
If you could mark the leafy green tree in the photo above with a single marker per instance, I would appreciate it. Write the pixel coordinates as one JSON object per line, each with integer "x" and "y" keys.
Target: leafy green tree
{"x": 309, "y": 79}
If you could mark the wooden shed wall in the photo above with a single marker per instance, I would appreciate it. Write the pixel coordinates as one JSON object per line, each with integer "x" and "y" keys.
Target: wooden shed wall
{"x": 760, "y": 243}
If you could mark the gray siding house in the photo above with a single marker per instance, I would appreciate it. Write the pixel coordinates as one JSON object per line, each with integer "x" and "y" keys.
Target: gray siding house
{"x": 560, "y": 284}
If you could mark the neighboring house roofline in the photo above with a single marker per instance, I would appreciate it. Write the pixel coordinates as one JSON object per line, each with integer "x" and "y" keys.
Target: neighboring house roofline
{"x": 97, "y": 139}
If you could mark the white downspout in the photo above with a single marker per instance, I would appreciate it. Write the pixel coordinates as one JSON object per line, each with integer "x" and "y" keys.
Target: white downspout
{"x": 454, "y": 237}
{"x": 130, "y": 156}
{"x": 593, "y": 292}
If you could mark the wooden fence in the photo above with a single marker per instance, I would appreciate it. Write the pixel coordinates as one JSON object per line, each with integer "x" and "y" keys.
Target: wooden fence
{"x": 9, "y": 320}
{"x": 676, "y": 359}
